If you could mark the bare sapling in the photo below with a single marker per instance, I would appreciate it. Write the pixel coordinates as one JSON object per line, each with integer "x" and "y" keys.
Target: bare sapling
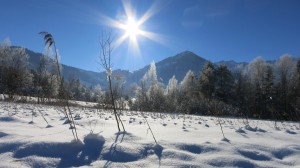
{"x": 64, "y": 98}
{"x": 106, "y": 44}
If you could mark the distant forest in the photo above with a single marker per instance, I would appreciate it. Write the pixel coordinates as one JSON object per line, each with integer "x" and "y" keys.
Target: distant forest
{"x": 260, "y": 89}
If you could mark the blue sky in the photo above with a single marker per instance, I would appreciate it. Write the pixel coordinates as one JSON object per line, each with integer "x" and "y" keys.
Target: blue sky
{"x": 217, "y": 30}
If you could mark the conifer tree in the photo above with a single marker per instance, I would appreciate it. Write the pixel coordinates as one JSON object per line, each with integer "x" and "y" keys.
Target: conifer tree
{"x": 224, "y": 83}
{"x": 207, "y": 80}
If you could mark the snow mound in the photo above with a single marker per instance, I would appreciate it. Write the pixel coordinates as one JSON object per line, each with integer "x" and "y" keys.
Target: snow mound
{"x": 240, "y": 130}
{"x": 196, "y": 148}
{"x": 9, "y": 146}
{"x": 290, "y": 131}
{"x": 49, "y": 149}
{"x": 286, "y": 152}
{"x": 122, "y": 151}
{"x": 177, "y": 155}
{"x": 231, "y": 162}
{"x": 9, "y": 119}
{"x": 254, "y": 155}
{"x": 256, "y": 129}
{"x": 3, "y": 134}
{"x": 37, "y": 161}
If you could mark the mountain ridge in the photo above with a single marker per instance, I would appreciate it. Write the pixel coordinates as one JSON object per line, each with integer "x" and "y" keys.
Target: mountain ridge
{"x": 177, "y": 65}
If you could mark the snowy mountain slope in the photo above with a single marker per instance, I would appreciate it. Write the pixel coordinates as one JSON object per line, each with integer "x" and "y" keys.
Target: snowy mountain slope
{"x": 184, "y": 140}
{"x": 177, "y": 65}
{"x": 69, "y": 72}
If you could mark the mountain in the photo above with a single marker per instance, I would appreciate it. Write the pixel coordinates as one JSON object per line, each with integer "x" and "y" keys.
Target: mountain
{"x": 177, "y": 65}
{"x": 89, "y": 78}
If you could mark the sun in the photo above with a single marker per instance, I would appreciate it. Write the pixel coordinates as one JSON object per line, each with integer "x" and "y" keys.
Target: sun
{"x": 131, "y": 28}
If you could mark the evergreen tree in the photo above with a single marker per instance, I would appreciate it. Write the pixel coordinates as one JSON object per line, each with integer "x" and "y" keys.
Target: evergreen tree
{"x": 224, "y": 83}
{"x": 297, "y": 95}
{"x": 208, "y": 80}
{"x": 267, "y": 94}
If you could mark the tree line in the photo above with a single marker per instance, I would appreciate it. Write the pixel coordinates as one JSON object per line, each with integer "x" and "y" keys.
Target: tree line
{"x": 17, "y": 78}
{"x": 261, "y": 89}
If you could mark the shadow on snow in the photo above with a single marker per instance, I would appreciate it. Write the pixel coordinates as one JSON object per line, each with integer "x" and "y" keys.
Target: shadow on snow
{"x": 73, "y": 153}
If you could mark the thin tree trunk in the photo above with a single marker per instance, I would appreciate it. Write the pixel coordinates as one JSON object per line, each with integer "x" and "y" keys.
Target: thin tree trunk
{"x": 113, "y": 103}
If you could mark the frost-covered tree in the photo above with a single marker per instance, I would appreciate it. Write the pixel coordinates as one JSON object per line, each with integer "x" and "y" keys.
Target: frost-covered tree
{"x": 155, "y": 100}
{"x": 172, "y": 87}
{"x": 286, "y": 68}
{"x": 76, "y": 89}
{"x": 4, "y": 59}
{"x": 15, "y": 75}
{"x": 156, "y": 97}
{"x": 150, "y": 77}
{"x": 242, "y": 90}
{"x": 98, "y": 93}
{"x": 188, "y": 83}
{"x": 46, "y": 84}
{"x": 171, "y": 92}
{"x": 188, "y": 93}
{"x": 141, "y": 102}
{"x": 257, "y": 70}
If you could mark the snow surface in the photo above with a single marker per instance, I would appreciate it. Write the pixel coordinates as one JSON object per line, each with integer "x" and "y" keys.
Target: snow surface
{"x": 183, "y": 140}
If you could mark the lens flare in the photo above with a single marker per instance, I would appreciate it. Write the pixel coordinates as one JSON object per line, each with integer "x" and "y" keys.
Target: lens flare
{"x": 132, "y": 26}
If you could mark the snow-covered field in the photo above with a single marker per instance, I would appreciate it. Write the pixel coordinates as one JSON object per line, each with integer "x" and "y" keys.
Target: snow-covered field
{"x": 184, "y": 140}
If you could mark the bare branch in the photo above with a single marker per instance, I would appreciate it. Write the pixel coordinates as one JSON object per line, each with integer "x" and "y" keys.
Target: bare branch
{"x": 106, "y": 44}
